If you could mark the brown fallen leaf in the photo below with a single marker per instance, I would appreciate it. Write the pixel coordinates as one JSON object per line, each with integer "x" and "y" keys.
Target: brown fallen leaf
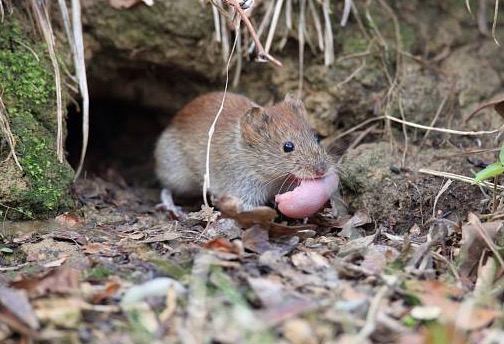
{"x": 472, "y": 246}
{"x": 377, "y": 257}
{"x": 110, "y": 289}
{"x": 69, "y": 220}
{"x": 100, "y": 249}
{"x": 230, "y": 207}
{"x": 269, "y": 290}
{"x": 72, "y": 236}
{"x": 262, "y": 216}
{"x": 256, "y": 239}
{"x": 166, "y": 236}
{"x": 16, "y": 302}
{"x": 435, "y": 293}
{"x": 222, "y": 245}
{"x": 299, "y": 331}
{"x": 62, "y": 280}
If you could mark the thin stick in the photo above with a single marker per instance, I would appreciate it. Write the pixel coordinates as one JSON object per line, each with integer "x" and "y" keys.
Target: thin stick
{"x": 265, "y": 21}
{"x": 443, "y": 130}
{"x": 206, "y": 180}
{"x": 262, "y": 55}
{"x": 459, "y": 178}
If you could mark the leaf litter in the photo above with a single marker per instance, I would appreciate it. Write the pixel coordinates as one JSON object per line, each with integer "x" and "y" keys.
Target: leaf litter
{"x": 246, "y": 278}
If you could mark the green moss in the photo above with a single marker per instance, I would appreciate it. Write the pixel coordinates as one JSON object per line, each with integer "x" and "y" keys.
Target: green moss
{"x": 28, "y": 87}
{"x": 98, "y": 273}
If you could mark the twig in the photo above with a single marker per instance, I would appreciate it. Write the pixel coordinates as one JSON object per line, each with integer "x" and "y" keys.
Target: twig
{"x": 458, "y": 177}
{"x": 443, "y": 130}
{"x": 370, "y": 325}
{"x": 262, "y": 55}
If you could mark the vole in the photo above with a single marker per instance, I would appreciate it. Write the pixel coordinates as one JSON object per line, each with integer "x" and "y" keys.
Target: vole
{"x": 257, "y": 154}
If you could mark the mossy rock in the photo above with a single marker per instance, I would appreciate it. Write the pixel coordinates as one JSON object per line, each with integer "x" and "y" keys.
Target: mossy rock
{"x": 41, "y": 189}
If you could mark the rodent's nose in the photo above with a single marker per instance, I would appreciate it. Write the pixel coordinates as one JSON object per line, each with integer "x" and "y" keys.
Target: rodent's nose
{"x": 320, "y": 168}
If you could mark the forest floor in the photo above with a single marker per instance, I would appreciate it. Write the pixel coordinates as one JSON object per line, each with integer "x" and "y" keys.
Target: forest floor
{"x": 121, "y": 271}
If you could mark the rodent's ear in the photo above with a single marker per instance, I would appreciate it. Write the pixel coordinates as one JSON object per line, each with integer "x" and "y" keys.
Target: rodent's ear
{"x": 254, "y": 122}
{"x": 295, "y": 103}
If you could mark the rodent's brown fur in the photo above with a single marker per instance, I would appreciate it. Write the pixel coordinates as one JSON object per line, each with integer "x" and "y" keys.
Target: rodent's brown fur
{"x": 247, "y": 159}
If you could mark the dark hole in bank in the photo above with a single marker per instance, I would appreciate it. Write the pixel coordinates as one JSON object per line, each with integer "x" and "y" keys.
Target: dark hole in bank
{"x": 122, "y": 136}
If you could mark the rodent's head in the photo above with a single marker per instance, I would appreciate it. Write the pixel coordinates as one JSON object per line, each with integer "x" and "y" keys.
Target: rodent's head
{"x": 281, "y": 142}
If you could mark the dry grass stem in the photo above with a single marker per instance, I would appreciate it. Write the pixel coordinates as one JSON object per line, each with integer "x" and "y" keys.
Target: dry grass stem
{"x": 494, "y": 24}
{"x": 357, "y": 140}
{"x": 328, "y": 35}
{"x": 318, "y": 24}
{"x": 353, "y": 74}
{"x": 371, "y": 319}
{"x": 273, "y": 26}
{"x": 239, "y": 61}
{"x": 216, "y": 19}
{"x": 301, "y": 36}
{"x": 288, "y": 14}
{"x": 76, "y": 41}
{"x": 436, "y": 116}
{"x": 346, "y": 12}
{"x": 443, "y": 130}
{"x": 264, "y": 23}
{"x": 8, "y": 8}
{"x": 482, "y": 17}
{"x": 441, "y": 191}
{"x": 42, "y": 17}
{"x": 405, "y": 133}
{"x": 224, "y": 38}
{"x": 458, "y": 177}
{"x": 206, "y": 180}
{"x": 7, "y": 133}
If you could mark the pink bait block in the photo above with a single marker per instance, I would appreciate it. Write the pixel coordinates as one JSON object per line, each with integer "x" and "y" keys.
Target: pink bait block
{"x": 308, "y": 197}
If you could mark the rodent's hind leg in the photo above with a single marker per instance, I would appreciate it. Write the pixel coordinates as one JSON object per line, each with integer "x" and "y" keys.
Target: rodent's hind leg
{"x": 169, "y": 206}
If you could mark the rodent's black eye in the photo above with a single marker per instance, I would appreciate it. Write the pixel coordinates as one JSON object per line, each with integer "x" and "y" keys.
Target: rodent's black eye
{"x": 288, "y": 147}
{"x": 318, "y": 137}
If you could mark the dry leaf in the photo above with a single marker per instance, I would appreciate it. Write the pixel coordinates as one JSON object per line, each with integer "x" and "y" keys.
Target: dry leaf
{"x": 256, "y": 239}
{"x": 99, "y": 249}
{"x": 472, "y": 246}
{"x": 69, "y": 220}
{"x": 222, "y": 245}
{"x": 62, "y": 280}
{"x": 16, "y": 302}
